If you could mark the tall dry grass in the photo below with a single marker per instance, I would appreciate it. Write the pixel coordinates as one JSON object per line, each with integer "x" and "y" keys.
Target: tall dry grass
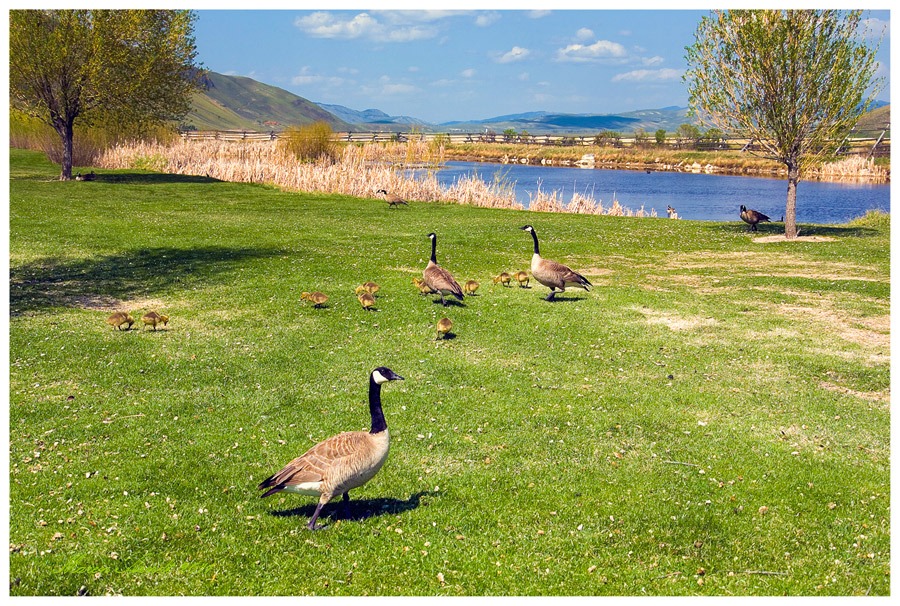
{"x": 853, "y": 167}
{"x": 359, "y": 171}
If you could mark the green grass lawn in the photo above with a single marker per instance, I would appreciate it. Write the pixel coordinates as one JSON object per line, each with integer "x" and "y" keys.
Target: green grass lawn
{"x": 712, "y": 418}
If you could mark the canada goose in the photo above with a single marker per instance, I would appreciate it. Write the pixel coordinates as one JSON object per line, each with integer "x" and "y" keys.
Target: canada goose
{"x": 88, "y": 177}
{"x": 470, "y": 287}
{"x": 119, "y": 318}
{"x": 318, "y": 298}
{"x": 369, "y": 287}
{"x": 366, "y": 300}
{"x": 151, "y": 318}
{"x": 752, "y": 217}
{"x": 522, "y": 277}
{"x": 439, "y": 279}
{"x": 443, "y": 326}
{"x": 342, "y": 462}
{"x": 503, "y": 278}
{"x": 392, "y": 199}
{"x": 552, "y": 274}
{"x": 423, "y": 288}
{"x": 671, "y": 212}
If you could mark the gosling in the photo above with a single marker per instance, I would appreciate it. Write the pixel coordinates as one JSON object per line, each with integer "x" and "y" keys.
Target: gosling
{"x": 503, "y": 278}
{"x": 522, "y": 277}
{"x": 117, "y": 319}
{"x": 443, "y": 327}
{"x": 470, "y": 287}
{"x": 151, "y": 318}
{"x": 424, "y": 289}
{"x": 366, "y": 300}
{"x": 369, "y": 287}
{"x": 317, "y": 298}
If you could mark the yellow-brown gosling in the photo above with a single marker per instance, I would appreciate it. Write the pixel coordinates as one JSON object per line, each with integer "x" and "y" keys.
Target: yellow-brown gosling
{"x": 522, "y": 277}
{"x": 318, "y": 298}
{"x": 470, "y": 287}
{"x": 151, "y": 318}
{"x": 552, "y": 274}
{"x": 439, "y": 279}
{"x": 443, "y": 327}
{"x": 369, "y": 287}
{"x": 752, "y": 217}
{"x": 392, "y": 199}
{"x": 118, "y": 318}
{"x": 366, "y": 300}
{"x": 423, "y": 288}
{"x": 503, "y": 278}
{"x": 342, "y": 462}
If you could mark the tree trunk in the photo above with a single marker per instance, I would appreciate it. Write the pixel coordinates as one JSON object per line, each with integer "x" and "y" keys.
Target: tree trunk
{"x": 66, "y": 132}
{"x": 790, "y": 212}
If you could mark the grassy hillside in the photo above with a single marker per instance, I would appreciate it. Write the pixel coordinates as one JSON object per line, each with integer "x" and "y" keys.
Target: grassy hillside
{"x": 235, "y": 102}
{"x": 711, "y": 419}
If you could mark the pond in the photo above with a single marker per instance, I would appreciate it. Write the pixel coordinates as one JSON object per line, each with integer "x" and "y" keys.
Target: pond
{"x": 694, "y": 196}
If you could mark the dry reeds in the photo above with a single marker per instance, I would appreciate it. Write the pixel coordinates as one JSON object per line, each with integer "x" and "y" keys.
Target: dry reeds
{"x": 359, "y": 171}
{"x": 853, "y": 167}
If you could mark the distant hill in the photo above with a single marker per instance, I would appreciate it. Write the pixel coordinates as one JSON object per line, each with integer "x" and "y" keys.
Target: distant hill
{"x": 548, "y": 123}
{"x": 371, "y": 116}
{"x": 877, "y": 120}
{"x": 236, "y": 102}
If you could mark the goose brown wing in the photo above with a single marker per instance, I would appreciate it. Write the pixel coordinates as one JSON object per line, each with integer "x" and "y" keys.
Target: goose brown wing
{"x": 551, "y": 271}
{"x": 438, "y": 278}
{"x": 315, "y": 463}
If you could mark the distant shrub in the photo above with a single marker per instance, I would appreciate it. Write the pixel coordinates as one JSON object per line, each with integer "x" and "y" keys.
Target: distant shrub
{"x": 661, "y": 137}
{"x": 309, "y": 142}
{"x": 873, "y": 218}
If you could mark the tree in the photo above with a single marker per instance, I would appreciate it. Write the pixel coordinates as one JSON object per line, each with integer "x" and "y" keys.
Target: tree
{"x": 661, "y": 137}
{"x": 795, "y": 81}
{"x": 133, "y": 66}
{"x": 688, "y": 135}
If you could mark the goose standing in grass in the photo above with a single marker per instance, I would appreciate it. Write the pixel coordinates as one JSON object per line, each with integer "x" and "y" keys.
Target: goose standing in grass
{"x": 439, "y": 279}
{"x": 318, "y": 298}
{"x": 752, "y": 217}
{"x": 151, "y": 318}
{"x": 444, "y": 325}
{"x": 392, "y": 199}
{"x": 342, "y": 462}
{"x": 552, "y": 274}
{"x": 118, "y": 318}
{"x": 503, "y": 278}
{"x": 366, "y": 300}
{"x": 522, "y": 278}
{"x": 470, "y": 287}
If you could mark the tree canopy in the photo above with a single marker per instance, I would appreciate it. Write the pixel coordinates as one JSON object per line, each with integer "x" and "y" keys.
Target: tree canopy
{"x": 795, "y": 81}
{"x": 133, "y": 66}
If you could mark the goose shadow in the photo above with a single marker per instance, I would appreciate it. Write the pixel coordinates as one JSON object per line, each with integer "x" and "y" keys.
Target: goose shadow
{"x": 447, "y": 337}
{"x": 560, "y": 299}
{"x": 450, "y": 302}
{"x": 360, "y": 509}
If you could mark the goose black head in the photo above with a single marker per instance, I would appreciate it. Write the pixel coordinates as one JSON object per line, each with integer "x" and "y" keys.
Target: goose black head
{"x": 527, "y": 228}
{"x": 381, "y": 191}
{"x": 432, "y": 235}
{"x": 382, "y": 374}
{"x": 743, "y": 208}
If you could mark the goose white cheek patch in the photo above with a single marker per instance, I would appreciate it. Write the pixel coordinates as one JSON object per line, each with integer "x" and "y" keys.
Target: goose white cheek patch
{"x": 379, "y": 378}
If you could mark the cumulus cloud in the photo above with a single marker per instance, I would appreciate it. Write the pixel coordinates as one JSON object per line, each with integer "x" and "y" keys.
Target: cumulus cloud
{"x": 651, "y": 61}
{"x": 467, "y": 73}
{"x": 486, "y": 19}
{"x": 537, "y": 14}
{"x": 516, "y": 54}
{"x": 648, "y": 75}
{"x": 307, "y": 77}
{"x": 323, "y": 24}
{"x": 584, "y": 34}
{"x": 598, "y": 51}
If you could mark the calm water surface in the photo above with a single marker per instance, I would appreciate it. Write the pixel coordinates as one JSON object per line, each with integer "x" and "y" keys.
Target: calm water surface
{"x": 694, "y": 196}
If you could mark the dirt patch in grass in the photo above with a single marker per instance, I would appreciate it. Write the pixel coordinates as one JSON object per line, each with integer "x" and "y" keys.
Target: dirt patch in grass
{"x": 874, "y": 396}
{"x": 111, "y": 304}
{"x": 675, "y": 321}
{"x": 782, "y": 238}
{"x": 775, "y": 264}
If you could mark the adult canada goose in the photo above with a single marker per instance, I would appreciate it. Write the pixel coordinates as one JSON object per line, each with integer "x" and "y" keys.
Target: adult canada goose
{"x": 369, "y": 287}
{"x": 552, "y": 274}
{"x": 671, "y": 212}
{"x": 151, "y": 318}
{"x": 503, "y": 278}
{"x": 366, "y": 300}
{"x": 318, "y": 298}
{"x": 470, "y": 287}
{"x": 523, "y": 279}
{"x": 342, "y": 462}
{"x": 443, "y": 327}
{"x": 439, "y": 279}
{"x": 752, "y": 217}
{"x": 392, "y": 199}
{"x": 423, "y": 288}
{"x": 117, "y": 319}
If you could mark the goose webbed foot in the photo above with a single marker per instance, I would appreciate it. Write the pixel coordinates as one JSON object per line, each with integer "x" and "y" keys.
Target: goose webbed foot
{"x": 550, "y": 296}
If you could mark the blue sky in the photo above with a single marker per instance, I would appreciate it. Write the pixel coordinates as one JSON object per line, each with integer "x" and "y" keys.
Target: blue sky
{"x": 439, "y": 65}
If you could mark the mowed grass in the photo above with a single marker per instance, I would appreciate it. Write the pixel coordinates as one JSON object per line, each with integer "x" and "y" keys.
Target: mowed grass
{"x": 711, "y": 419}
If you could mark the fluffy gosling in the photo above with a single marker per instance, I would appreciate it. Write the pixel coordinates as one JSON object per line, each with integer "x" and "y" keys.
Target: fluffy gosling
{"x": 117, "y": 319}
{"x": 470, "y": 287}
{"x": 366, "y": 300}
{"x": 151, "y": 318}
{"x": 503, "y": 278}
{"x": 443, "y": 327}
{"x": 317, "y": 298}
{"x": 369, "y": 287}
{"x": 523, "y": 279}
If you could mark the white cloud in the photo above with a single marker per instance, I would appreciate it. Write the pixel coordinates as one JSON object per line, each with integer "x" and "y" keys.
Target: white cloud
{"x": 306, "y": 77}
{"x": 467, "y": 73}
{"x": 584, "y": 34}
{"x": 651, "y": 61}
{"x": 486, "y": 19}
{"x": 398, "y": 89}
{"x": 599, "y": 50}
{"x": 323, "y": 24}
{"x": 537, "y": 14}
{"x": 516, "y": 54}
{"x": 649, "y": 75}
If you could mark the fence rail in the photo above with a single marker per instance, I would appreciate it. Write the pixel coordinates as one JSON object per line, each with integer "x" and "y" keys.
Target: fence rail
{"x": 872, "y": 146}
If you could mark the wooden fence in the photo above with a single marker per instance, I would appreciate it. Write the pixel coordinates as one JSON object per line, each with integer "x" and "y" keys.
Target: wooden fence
{"x": 878, "y": 147}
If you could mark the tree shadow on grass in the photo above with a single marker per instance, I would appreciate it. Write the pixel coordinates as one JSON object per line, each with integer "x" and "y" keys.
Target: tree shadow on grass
{"x": 104, "y": 282}
{"x": 360, "y": 509}
{"x": 806, "y": 229}
{"x": 152, "y": 178}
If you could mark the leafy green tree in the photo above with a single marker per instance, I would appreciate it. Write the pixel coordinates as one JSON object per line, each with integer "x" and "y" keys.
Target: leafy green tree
{"x": 127, "y": 66}
{"x": 640, "y": 137}
{"x": 661, "y": 137}
{"x": 688, "y": 135}
{"x": 795, "y": 81}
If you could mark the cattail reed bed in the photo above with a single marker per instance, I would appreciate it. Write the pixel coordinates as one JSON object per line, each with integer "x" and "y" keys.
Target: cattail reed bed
{"x": 355, "y": 171}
